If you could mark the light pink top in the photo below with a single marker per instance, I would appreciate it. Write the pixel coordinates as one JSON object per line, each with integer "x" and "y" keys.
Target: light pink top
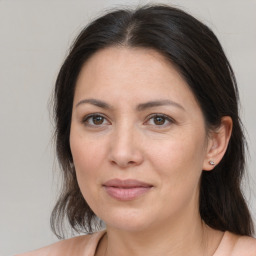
{"x": 230, "y": 245}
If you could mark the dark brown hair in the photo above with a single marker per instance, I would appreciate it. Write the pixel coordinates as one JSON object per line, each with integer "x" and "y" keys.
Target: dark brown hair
{"x": 197, "y": 54}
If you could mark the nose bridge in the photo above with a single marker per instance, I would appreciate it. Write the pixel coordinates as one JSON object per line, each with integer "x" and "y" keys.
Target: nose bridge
{"x": 124, "y": 146}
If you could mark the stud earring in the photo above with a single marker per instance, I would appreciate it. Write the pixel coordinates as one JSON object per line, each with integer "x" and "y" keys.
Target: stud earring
{"x": 211, "y": 162}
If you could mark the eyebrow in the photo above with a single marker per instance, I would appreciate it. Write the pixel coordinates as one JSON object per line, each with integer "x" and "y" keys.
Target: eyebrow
{"x": 139, "y": 107}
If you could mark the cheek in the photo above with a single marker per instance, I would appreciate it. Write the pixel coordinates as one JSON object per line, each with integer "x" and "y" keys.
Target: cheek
{"x": 178, "y": 168}
{"x": 88, "y": 156}
{"x": 177, "y": 152}
{"x": 178, "y": 161}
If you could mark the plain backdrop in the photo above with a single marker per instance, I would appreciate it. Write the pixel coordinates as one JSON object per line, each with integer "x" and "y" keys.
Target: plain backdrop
{"x": 34, "y": 39}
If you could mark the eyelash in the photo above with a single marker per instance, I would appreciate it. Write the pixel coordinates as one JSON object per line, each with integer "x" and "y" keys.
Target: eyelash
{"x": 165, "y": 117}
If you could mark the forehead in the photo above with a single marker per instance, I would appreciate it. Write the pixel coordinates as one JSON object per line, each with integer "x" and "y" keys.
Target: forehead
{"x": 124, "y": 72}
{"x": 139, "y": 61}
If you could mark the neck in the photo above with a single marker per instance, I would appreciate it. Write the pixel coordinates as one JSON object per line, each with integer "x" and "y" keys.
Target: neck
{"x": 177, "y": 239}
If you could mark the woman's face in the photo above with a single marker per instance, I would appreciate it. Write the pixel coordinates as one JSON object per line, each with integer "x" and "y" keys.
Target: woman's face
{"x": 138, "y": 139}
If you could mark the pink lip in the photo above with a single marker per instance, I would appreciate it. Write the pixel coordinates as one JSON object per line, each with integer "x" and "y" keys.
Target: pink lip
{"x": 126, "y": 190}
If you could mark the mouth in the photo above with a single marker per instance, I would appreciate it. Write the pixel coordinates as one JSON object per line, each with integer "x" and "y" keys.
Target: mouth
{"x": 126, "y": 190}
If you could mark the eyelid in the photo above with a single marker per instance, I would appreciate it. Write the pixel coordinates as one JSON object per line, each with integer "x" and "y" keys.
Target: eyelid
{"x": 85, "y": 118}
{"x": 166, "y": 117}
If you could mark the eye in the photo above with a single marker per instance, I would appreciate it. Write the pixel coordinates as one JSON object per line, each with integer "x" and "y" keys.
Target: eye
{"x": 160, "y": 120}
{"x": 94, "y": 120}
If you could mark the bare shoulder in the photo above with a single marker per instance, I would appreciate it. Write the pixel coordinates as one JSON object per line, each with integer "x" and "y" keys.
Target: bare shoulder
{"x": 245, "y": 246}
{"x": 62, "y": 248}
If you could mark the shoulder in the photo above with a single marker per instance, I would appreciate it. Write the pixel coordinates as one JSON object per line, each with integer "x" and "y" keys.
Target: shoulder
{"x": 73, "y": 246}
{"x": 245, "y": 246}
{"x": 236, "y": 245}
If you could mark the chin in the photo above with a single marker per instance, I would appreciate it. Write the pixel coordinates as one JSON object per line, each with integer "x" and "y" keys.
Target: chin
{"x": 128, "y": 220}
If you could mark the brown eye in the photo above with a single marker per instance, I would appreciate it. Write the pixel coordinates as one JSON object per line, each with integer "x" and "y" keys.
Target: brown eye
{"x": 97, "y": 120}
{"x": 94, "y": 120}
{"x": 159, "y": 120}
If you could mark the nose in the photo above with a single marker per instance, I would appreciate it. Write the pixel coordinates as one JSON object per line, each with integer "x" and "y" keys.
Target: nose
{"x": 125, "y": 148}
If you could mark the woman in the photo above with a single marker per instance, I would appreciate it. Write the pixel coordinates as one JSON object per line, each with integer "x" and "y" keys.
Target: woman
{"x": 149, "y": 140}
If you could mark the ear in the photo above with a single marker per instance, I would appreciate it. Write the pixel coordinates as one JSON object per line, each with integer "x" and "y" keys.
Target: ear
{"x": 218, "y": 143}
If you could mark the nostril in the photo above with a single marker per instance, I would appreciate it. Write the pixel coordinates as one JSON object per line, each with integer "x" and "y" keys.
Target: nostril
{"x": 123, "y": 164}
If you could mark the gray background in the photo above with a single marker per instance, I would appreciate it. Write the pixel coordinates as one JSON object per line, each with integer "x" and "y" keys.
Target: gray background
{"x": 34, "y": 38}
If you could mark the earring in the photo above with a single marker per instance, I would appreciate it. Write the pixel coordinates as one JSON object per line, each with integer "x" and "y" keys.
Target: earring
{"x": 211, "y": 162}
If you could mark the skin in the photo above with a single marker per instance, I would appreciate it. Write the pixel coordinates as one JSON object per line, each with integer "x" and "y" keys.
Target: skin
{"x": 129, "y": 144}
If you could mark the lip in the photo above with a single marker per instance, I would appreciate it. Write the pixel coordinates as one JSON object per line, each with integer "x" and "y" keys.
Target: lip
{"x": 126, "y": 190}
